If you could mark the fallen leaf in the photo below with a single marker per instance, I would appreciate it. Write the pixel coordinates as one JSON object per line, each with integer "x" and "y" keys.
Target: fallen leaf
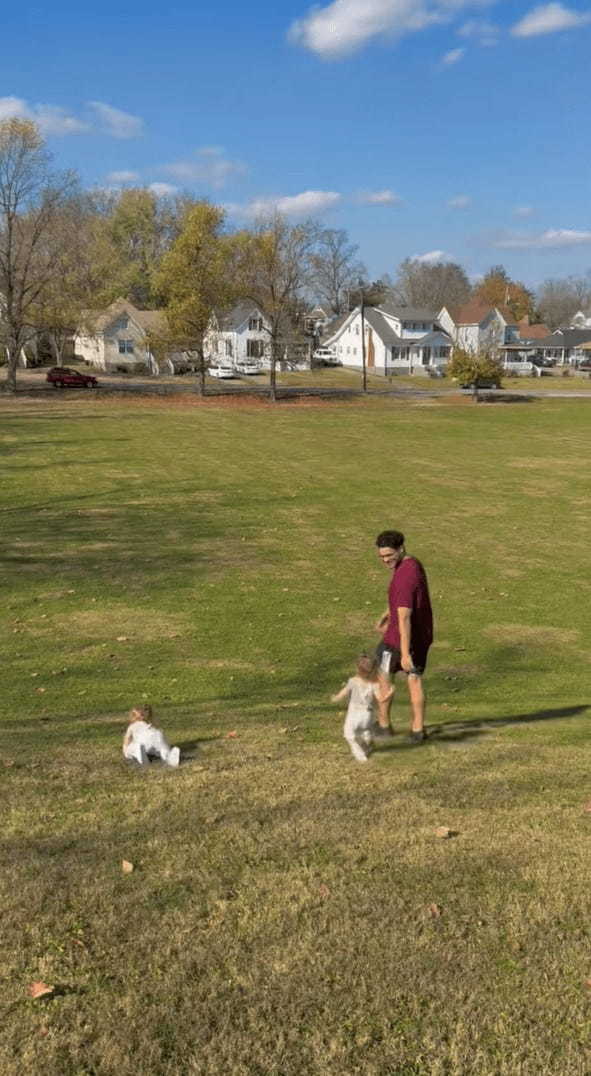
{"x": 587, "y": 807}
{"x": 123, "y": 638}
{"x": 443, "y": 832}
{"x": 40, "y": 989}
{"x": 324, "y": 891}
{"x": 40, "y": 690}
{"x": 434, "y": 910}
{"x": 231, "y": 735}
{"x": 587, "y": 984}
{"x": 287, "y": 730}
{"x": 126, "y": 866}
{"x": 44, "y": 1031}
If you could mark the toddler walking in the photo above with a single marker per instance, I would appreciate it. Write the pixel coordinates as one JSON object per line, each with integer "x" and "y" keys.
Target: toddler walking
{"x": 362, "y": 691}
{"x": 143, "y": 740}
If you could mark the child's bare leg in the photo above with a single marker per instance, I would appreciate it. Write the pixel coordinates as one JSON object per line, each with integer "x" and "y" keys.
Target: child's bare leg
{"x": 417, "y": 701}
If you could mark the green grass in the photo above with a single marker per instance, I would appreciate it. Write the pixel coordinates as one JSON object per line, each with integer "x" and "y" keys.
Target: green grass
{"x": 217, "y": 560}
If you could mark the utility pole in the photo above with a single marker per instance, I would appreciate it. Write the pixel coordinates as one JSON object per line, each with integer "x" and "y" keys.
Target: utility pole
{"x": 363, "y": 356}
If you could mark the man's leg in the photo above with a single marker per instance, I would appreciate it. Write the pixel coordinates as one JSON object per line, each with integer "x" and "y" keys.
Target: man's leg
{"x": 417, "y": 702}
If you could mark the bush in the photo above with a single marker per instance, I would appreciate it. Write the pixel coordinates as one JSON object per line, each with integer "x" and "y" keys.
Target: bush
{"x": 472, "y": 368}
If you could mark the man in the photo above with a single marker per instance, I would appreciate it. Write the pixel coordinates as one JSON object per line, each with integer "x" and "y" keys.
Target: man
{"x": 407, "y": 629}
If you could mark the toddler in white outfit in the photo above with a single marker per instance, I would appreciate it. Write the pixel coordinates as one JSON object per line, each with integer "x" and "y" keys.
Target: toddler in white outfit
{"x": 362, "y": 691}
{"x": 143, "y": 740}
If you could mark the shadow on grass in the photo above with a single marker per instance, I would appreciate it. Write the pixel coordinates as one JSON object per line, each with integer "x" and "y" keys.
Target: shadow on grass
{"x": 460, "y": 730}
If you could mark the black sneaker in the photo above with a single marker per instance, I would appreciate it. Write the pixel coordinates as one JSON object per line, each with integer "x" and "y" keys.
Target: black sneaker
{"x": 418, "y": 737}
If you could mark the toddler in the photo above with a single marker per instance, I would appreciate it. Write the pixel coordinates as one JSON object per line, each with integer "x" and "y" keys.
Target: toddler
{"x": 143, "y": 740}
{"x": 362, "y": 691}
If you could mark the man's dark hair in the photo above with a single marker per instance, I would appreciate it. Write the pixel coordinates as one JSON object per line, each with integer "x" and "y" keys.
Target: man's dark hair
{"x": 390, "y": 540}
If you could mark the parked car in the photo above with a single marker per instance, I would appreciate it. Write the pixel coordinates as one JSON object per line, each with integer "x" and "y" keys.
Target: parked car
{"x": 248, "y": 367}
{"x": 482, "y": 383}
{"x": 62, "y": 377}
{"x": 542, "y": 362}
{"x": 325, "y": 356}
{"x": 222, "y": 371}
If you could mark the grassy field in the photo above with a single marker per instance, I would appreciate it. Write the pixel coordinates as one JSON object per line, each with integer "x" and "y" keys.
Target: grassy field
{"x": 291, "y": 912}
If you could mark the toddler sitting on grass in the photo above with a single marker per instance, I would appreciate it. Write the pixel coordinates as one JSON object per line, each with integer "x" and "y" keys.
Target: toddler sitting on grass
{"x": 362, "y": 691}
{"x": 144, "y": 740}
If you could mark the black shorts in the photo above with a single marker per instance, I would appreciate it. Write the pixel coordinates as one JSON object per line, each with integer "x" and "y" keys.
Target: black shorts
{"x": 388, "y": 658}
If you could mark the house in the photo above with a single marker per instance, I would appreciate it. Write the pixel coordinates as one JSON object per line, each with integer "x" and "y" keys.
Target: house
{"x": 564, "y": 346}
{"x": 580, "y": 320}
{"x": 476, "y": 326}
{"x": 398, "y": 339}
{"x": 529, "y": 331}
{"x": 317, "y": 320}
{"x": 238, "y": 334}
{"x": 118, "y": 338}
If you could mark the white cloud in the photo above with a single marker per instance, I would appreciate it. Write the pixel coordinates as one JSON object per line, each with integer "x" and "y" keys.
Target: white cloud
{"x": 523, "y": 211}
{"x": 344, "y": 26}
{"x": 480, "y": 30}
{"x": 552, "y": 239}
{"x": 549, "y": 18}
{"x": 161, "y": 190}
{"x": 210, "y": 165}
{"x": 114, "y": 122}
{"x": 122, "y": 177}
{"x": 292, "y": 205}
{"x": 452, "y": 57}
{"x": 51, "y": 119}
{"x": 385, "y": 197}
{"x": 461, "y": 201}
{"x": 432, "y": 257}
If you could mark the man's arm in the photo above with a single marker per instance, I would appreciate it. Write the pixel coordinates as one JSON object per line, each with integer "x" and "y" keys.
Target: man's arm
{"x": 383, "y": 622}
{"x": 404, "y": 629}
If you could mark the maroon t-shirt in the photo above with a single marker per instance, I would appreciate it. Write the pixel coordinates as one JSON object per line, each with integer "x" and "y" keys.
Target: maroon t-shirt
{"x": 408, "y": 590}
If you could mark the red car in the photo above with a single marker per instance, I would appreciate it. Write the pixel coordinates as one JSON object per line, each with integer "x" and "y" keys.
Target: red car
{"x": 62, "y": 377}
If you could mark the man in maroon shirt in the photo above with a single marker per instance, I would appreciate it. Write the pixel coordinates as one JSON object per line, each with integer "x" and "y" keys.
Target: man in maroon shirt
{"x": 407, "y": 629}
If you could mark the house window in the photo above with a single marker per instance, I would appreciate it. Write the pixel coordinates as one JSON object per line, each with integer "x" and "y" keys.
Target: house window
{"x": 255, "y": 349}
{"x": 125, "y": 347}
{"x": 255, "y": 325}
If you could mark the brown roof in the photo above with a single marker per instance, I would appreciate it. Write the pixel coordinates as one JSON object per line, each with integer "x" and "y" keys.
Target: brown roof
{"x": 533, "y": 332}
{"x": 476, "y": 310}
{"x": 150, "y": 320}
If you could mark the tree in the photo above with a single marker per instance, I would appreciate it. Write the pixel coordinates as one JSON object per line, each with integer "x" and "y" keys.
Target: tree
{"x": 431, "y": 285}
{"x": 334, "y": 269}
{"x": 84, "y": 271}
{"x": 497, "y": 288}
{"x": 274, "y": 267}
{"x": 373, "y": 292}
{"x": 31, "y": 196}
{"x": 472, "y": 368}
{"x": 558, "y": 299}
{"x": 195, "y": 277}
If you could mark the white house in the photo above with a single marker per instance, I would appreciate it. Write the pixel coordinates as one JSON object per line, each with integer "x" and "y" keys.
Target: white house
{"x": 118, "y": 338}
{"x": 238, "y": 334}
{"x": 477, "y": 326}
{"x": 398, "y": 340}
{"x": 580, "y": 320}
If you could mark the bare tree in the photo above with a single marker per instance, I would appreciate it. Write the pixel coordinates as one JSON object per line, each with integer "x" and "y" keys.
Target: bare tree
{"x": 274, "y": 269}
{"x": 559, "y": 298}
{"x": 431, "y": 285}
{"x": 334, "y": 268}
{"x": 30, "y": 197}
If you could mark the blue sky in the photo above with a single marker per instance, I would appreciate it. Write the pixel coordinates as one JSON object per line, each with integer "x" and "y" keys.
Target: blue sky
{"x": 420, "y": 126}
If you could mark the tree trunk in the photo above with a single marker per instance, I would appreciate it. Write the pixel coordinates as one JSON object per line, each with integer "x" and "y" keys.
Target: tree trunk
{"x": 12, "y": 363}
{"x": 201, "y": 374}
{"x": 273, "y": 375}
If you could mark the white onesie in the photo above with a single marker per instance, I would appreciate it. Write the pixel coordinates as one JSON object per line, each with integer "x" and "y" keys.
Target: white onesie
{"x": 360, "y": 718}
